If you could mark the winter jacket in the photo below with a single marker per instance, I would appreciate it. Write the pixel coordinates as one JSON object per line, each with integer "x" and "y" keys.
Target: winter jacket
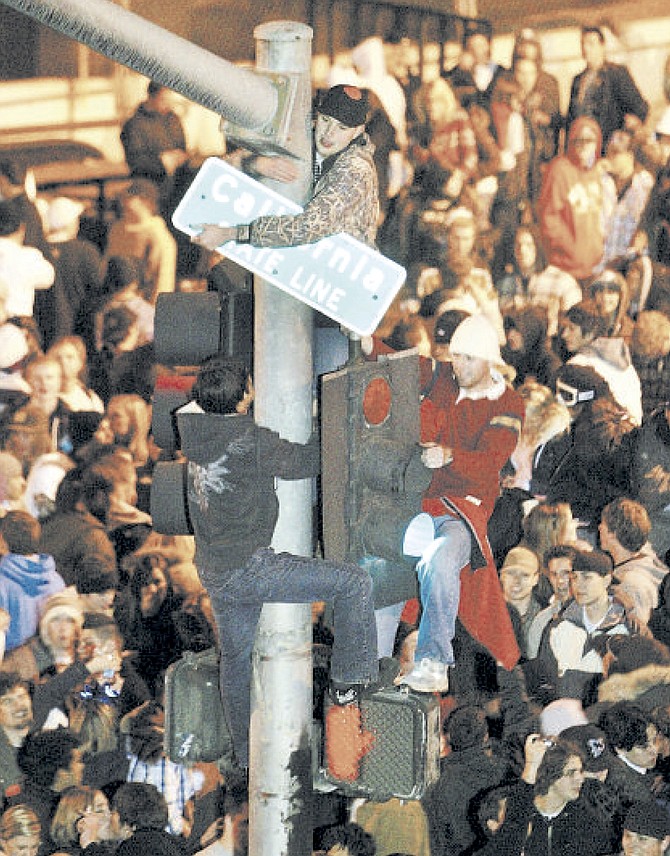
{"x": 589, "y": 469}
{"x": 72, "y": 536}
{"x": 570, "y": 210}
{"x": 482, "y": 433}
{"x": 640, "y": 577}
{"x": 568, "y": 652}
{"x": 145, "y": 136}
{"x": 610, "y": 358}
{"x": 647, "y": 450}
{"x": 346, "y": 199}
{"x": 463, "y": 776}
{"x": 648, "y": 686}
{"x": 26, "y": 582}
{"x": 576, "y": 829}
{"x": 616, "y": 95}
{"x": 232, "y": 465}
{"x": 396, "y": 826}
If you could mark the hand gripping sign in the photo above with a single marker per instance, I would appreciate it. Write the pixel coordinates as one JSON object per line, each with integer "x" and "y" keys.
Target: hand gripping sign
{"x": 339, "y": 275}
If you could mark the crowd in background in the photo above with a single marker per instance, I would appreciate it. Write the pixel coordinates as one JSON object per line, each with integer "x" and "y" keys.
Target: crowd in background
{"x": 557, "y": 229}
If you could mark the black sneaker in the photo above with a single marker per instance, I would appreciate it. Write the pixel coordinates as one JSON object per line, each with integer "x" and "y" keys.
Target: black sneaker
{"x": 344, "y": 695}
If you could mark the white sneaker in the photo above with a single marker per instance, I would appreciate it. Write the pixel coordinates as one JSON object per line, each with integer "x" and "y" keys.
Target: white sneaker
{"x": 427, "y": 676}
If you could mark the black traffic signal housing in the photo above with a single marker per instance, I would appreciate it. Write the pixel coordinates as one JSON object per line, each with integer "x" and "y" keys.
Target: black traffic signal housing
{"x": 372, "y": 476}
{"x": 188, "y": 328}
{"x": 372, "y": 486}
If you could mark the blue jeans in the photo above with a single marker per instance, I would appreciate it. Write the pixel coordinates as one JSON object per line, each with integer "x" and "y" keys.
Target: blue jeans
{"x": 237, "y": 599}
{"x": 439, "y": 573}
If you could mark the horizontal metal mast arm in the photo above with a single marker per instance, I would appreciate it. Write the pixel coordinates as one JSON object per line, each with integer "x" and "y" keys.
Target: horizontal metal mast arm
{"x": 240, "y": 96}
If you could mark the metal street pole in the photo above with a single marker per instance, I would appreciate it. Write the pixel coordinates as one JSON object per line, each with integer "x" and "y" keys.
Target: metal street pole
{"x": 280, "y": 780}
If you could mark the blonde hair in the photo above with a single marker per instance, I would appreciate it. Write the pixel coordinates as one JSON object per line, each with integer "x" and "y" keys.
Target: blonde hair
{"x": 545, "y": 416}
{"x": 138, "y": 413}
{"x": 71, "y": 806}
{"x": 547, "y": 525}
{"x": 651, "y": 335}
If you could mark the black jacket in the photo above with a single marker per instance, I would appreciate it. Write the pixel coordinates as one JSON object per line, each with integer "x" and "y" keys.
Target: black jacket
{"x": 232, "y": 465}
{"x": 575, "y": 830}
{"x": 617, "y": 95}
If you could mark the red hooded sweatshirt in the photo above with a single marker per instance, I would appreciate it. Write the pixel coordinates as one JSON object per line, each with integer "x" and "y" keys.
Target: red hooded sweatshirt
{"x": 570, "y": 208}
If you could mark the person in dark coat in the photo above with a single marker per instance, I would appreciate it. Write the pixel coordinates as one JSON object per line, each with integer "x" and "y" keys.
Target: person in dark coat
{"x": 605, "y": 91}
{"x": 545, "y": 815}
{"x": 143, "y": 816}
{"x": 232, "y": 464}
{"x": 469, "y": 769}
{"x": 527, "y": 349}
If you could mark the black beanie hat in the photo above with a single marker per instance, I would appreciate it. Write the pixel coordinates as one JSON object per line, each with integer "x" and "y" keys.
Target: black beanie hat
{"x": 347, "y": 104}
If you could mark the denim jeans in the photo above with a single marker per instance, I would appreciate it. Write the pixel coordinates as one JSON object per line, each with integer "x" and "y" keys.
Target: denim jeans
{"x": 237, "y": 599}
{"x": 439, "y": 573}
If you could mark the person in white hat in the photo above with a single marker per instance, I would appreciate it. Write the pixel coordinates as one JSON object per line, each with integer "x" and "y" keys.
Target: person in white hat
{"x": 470, "y": 423}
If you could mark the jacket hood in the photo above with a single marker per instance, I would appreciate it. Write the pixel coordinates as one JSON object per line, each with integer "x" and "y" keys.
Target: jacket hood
{"x": 369, "y": 59}
{"x": 629, "y": 686}
{"x": 32, "y": 574}
{"x": 610, "y": 349}
{"x": 615, "y": 615}
{"x": 645, "y": 561}
{"x": 577, "y": 126}
{"x": 208, "y": 432}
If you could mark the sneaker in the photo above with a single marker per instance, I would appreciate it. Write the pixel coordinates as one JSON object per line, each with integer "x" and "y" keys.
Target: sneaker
{"x": 427, "y": 676}
{"x": 342, "y": 696}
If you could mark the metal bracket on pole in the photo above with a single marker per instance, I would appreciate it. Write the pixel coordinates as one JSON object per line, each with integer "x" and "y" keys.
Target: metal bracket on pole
{"x": 273, "y": 136}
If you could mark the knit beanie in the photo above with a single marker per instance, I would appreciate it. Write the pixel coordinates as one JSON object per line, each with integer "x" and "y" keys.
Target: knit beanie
{"x": 347, "y": 104}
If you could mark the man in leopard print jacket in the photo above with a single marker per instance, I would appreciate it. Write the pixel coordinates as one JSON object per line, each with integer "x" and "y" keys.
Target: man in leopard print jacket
{"x": 345, "y": 197}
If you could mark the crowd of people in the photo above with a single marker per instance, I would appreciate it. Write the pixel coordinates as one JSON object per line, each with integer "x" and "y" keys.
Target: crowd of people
{"x": 537, "y": 246}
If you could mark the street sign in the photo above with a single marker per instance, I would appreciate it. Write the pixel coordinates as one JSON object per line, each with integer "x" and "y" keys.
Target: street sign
{"x": 339, "y": 276}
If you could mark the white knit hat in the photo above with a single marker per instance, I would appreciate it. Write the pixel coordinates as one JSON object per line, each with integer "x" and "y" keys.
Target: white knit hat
{"x": 475, "y": 336}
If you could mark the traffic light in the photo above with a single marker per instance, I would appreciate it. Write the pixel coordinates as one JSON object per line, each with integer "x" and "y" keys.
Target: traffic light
{"x": 188, "y": 328}
{"x": 195, "y": 725}
{"x": 373, "y": 481}
{"x": 372, "y": 475}
{"x": 388, "y": 746}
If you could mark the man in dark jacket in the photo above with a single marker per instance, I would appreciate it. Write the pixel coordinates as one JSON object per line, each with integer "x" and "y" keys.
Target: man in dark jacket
{"x": 605, "y": 91}
{"x": 545, "y": 814}
{"x": 232, "y": 466}
{"x": 467, "y": 771}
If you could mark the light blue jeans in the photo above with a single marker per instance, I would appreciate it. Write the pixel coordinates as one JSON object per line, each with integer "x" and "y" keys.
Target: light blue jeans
{"x": 439, "y": 573}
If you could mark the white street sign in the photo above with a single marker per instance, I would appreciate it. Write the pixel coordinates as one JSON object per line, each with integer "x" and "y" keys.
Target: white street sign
{"x": 339, "y": 276}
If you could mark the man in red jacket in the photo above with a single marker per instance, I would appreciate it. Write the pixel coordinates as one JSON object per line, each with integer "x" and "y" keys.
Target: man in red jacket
{"x": 470, "y": 422}
{"x": 570, "y": 205}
